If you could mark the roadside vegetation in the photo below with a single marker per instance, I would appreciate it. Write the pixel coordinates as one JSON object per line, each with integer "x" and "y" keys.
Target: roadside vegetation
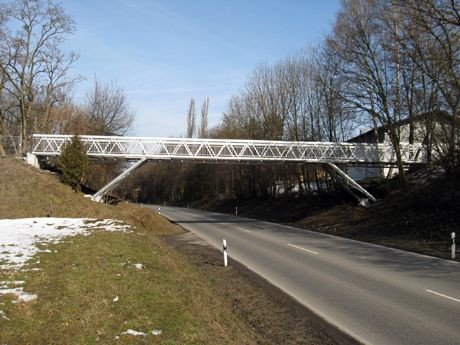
{"x": 420, "y": 221}
{"x": 89, "y": 289}
{"x": 73, "y": 163}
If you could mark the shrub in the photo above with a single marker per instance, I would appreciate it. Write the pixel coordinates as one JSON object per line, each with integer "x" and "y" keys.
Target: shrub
{"x": 73, "y": 163}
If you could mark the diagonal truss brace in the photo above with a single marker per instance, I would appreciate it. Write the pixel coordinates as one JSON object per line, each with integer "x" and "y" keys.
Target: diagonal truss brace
{"x": 231, "y": 150}
{"x": 98, "y": 196}
{"x": 349, "y": 184}
{"x": 235, "y": 151}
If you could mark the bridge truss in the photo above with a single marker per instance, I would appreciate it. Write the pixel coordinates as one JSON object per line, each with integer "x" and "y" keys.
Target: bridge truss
{"x": 141, "y": 149}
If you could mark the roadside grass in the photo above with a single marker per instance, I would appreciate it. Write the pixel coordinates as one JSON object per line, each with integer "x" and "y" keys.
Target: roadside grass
{"x": 78, "y": 278}
{"x": 28, "y": 192}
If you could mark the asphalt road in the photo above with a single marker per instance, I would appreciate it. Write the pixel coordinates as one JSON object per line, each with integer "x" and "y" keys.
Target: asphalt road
{"x": 376, "y": 294}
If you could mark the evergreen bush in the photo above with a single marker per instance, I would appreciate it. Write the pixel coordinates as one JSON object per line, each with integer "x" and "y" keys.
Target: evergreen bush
{"x": 73, "y": 163}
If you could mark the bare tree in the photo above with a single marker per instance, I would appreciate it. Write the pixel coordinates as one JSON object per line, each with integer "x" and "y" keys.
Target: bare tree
{"x": 430, "y": 34}
{"x": 191, "y": 119}
{"x": 29, "y": 51}
{"x": 108, "y": 110}
{"x": 369, "y": 67}
{"x": 203, "y": 131}
{"x": 337, "y": 118}
{"x": 57, "y": 88}
{"x": 69, "y": 118}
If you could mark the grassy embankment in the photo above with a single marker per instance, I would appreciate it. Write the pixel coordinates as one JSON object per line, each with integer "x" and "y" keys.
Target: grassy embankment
{"x": 77, "y": 284}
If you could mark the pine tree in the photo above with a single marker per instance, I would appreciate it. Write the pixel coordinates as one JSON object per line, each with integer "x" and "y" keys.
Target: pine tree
{"x": 73, "y": 163}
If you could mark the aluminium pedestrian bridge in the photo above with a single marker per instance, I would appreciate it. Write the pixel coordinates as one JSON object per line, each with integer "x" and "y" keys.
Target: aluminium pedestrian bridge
{"x": 141, "y": 149}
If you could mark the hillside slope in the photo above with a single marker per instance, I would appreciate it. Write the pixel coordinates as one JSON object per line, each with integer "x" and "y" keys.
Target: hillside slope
{"x": 419, "y": 221}
{"x": 94, "y": 289}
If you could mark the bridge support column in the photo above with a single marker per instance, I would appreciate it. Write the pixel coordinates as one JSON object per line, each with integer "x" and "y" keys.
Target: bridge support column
{"x": 98, "y": 196}
{"x": 350, "y": 185}
{"x": 32, "y": 160}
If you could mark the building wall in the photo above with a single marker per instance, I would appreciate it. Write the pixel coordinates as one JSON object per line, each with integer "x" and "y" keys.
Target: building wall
{"x": 361, "y": 173}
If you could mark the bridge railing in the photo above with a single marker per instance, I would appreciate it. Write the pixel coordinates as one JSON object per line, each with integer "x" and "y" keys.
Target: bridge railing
{"x": 230, "y": 150}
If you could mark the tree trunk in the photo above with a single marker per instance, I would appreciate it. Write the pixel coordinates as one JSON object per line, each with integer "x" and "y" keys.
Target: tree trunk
{"x": 402, "y": 175}
{"x": 23, "y": 136}
{"x": 2, "y": 148}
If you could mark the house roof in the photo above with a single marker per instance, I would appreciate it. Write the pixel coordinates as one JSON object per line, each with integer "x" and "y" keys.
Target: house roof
{"x": 440, "y": 116}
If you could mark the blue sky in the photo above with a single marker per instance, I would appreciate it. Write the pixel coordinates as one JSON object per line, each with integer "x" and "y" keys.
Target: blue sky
{"x": 162, "y": 53}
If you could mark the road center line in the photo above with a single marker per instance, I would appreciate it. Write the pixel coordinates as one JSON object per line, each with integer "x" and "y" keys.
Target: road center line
{"x": 239, "y": 227}
{"x": 307, "y": 250}
{"x": 445, "y": 296}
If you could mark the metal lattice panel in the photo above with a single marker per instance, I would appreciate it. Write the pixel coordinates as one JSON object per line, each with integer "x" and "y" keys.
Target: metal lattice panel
{"x": 230, "y": 150}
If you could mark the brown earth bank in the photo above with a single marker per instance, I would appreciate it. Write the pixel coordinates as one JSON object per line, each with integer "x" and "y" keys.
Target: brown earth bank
{"x": 274, "y": 316}
{"x": 419, "y": 221}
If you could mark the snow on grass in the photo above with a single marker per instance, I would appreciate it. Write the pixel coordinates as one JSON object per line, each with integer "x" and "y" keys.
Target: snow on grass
{"x": 3, "y": 315}
{"x": 19, "y": 237}
{"x": 135, "y": 333}
{"x": 142, "y": 334}
{"x": 12, "y": 282}
{"x": 20, "y": 294}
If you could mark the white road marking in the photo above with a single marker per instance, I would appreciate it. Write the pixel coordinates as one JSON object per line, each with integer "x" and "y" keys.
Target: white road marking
{"x": 445, "y": 296}
{"x": 307, "y": 250}
{"x": 239, "y": 227}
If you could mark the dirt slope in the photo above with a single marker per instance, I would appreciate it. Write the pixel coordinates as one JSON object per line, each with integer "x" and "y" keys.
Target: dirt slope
{"x": 420, "y": 221}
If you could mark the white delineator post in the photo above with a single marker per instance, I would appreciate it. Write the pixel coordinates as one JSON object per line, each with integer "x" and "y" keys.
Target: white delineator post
{"x": 159, "y": 210}
{"x": 236, "y": 210}
{"x": 453, "y": 245}
{"x": 224, "y": 243}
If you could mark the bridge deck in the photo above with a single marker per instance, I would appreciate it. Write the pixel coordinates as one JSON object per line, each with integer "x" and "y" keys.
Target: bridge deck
{"x": 221, "y": 150}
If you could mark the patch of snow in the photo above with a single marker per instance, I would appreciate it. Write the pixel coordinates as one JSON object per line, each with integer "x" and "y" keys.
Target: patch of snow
{"x": 13, "y": 282}
{"x": 3, "y": 315}
{"x": 138, "y": 266}
{"x": 135, "y": 333}
{"x": 19, "y": 237}
{"x": 156, "y": 332}
{"x": 35, "y": 269}
{"x": 20, "y": 294}
{"x": 27, "y": 297}
{"x": 115, "y": 299}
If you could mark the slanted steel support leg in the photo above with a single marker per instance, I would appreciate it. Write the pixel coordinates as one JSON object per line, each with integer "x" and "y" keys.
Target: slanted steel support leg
{"x": 104, "y": 190}
{"x": 350, "y": 184}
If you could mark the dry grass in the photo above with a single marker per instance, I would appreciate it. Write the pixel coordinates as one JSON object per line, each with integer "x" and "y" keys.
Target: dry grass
{"x": 29, "y": 192}
{"x": 77, "y": 284}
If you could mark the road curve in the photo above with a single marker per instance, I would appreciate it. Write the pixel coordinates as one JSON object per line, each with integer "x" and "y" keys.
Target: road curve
{"x": 376, "y": 294}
